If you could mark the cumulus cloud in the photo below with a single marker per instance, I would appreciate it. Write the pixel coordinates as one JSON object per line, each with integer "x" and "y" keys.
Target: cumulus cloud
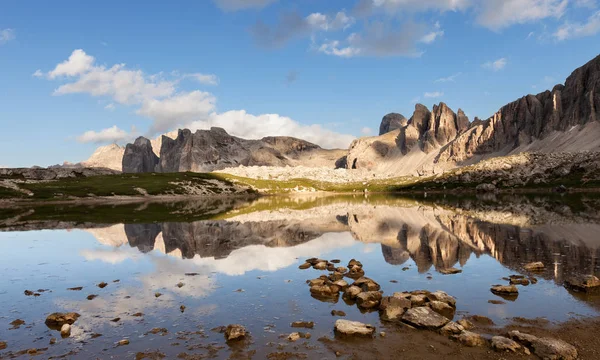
{"x": 366, "y": 7}
{"x": 379, "y": 39}
{"x": 433, "y": 95}
{"x": 292, "y": 25}
{"x": 496, "y": 65}
{"x": 450, "y": 78}
{"x": 205, "y": 79}
{"x": 499, "y": 14}
{"x": 111, "y": 134}
{"x": 38, "y": 73}
{"x": 78, "y": 63}
{"x": 240, "y": 123}
{"x": 6, "y": 35}
{"x": 236, "y": 5}
{"x": 578, "y": 29}
{"x": 168, "y": 107}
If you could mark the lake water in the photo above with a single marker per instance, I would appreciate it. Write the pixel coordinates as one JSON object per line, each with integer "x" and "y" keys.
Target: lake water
{"x": 239, "y": 265}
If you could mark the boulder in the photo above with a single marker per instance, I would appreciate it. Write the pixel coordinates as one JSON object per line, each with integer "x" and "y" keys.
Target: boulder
{"x": 235, "y": 332}
{"x": 139, "y": 157}
{"x": 418, "y": 300}
{"x": 353, "y": 328}
{"x": 65, "y": 330}
{"x": 466, "y": 324}
{"x": 510, "y": 290}
{"x": 352, "y": 292}
{"x": 425, "y": 318}
{"x": 367, "y": 284}
{"x": 443, "y": 297}
{"x": 392, "y": 308}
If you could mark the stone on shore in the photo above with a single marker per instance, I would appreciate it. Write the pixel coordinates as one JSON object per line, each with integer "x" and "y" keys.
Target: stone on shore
{"x": 392, "y": 308}
{"x": 471, "y": 339}
{"x": 442, "y": 308}
{"x": 545, "y": 348}
{"x": 452, "y": 328}
{"x": 501, "y": 343}
{"x": 424, "y": 317}
{"x": 353, "y": 328}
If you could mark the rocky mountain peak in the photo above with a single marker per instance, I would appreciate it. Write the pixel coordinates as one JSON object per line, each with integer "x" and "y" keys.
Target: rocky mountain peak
{"x": 391, "y": 122}
{"x": 139, "y": 157}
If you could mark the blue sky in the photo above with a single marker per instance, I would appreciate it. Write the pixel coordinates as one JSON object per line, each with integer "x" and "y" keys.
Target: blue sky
{"x": 75, "y": 75}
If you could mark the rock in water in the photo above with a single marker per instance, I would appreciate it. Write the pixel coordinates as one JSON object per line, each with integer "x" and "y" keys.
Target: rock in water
{"x": 139, "y": 157}
{"x": 534, "y": 266}
{"x": 57, "y": 320}
{"x": 65, "y": 330}
{"x": 392, "y": 308}
{"x": 450, "y": 271}
{"x": 510, "y": 290}
{"x": 235, "y": 332}
{"x": 369, "y": 299}
{"x": 346, "y": 327}
{"x": 442, "y": 308}
{"x": 583, "y": 283}
{"x": 424, "y": 317}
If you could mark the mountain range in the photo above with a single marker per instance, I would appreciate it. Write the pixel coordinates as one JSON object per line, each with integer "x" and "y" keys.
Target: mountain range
{"x": 564, "y": 119}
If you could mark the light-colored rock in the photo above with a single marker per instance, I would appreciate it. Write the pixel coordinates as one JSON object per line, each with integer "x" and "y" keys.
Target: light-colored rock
{"x": 443, "y": 297}
{"x": 510, "y": 290}
{"x": 501, "y": 343}
{"x": 452, "y": 328}
{"x": 545, "y": 348}
{"x": 367, "y": 284}
{"x": 471, "y": 339}
{"x": 369, "y": 299}
{"x": 392, "y": 308}
{"x": 347, "y": 327}
{"x": 534, "y": 266}
{"x": 466, "y": 324}
{"x": 583, "y": 283}
{"x": 293, "y": 337}
{"x": 352, "y": 292}
{"x": 442, "y": 308}
{"x": 65, "y": 330}
{"x": 424, "y": 317}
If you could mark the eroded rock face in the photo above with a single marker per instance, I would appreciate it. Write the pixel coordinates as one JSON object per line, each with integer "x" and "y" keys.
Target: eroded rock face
{"x": 391, "y": 122}
{"x": 139, "y": 157}
{"x": 215, "y": 149}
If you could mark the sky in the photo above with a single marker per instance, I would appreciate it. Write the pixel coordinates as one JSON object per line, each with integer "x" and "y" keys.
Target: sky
{"x": 75, "y": 75}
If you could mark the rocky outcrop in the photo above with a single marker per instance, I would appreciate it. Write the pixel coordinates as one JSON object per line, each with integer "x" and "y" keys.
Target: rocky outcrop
{"x": 215, "y": 149}
{"x": 109, "y": 157}
{"x": 391, "y": 122}
{"x": 533, "y": 117}
{"x": 139, "y": 157}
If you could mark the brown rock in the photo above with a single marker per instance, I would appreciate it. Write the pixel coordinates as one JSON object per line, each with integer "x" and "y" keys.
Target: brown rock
{"x": 501, "y": 343}
{"x": 424, "y": 317}
{"x": 235, "y": 332}
{"x": 471, "y": 339}
{"x": 452, "y": 328}
{"x": 57, "y": 320}
{"x": 303, "y": 324}
{"x": 534, "y": 266}
{"x": 583, "y": 283}
{"x": 353, "y": 328}
{"x": 369, "y": 299}
{"x": 442, "y": 308}
{"x": 304, "y": 266}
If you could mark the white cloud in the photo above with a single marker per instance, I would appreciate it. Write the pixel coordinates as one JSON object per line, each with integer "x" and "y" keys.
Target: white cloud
{"x": 430, "y": 37}
{"x": 110, "y": 107}
{"x": 450, "y": 78}
{"x": 496, "y": 65}
{"x": 433, "y": 95}
{"x": 6, "y": 35}
{"x": 112, "y": 134}
{"x": 576, "y": 30}
{"x": 78, "y": 63}
{"x": 590, "y": 4}
{"x": 177, "y": 109}
{"x": 499, "y": 14}
{"x": 240, "y": 123}
{"x": 235, "y": 5}
{"x": 334, "y": 48}
{"x": 416, "y": 5}
{"x": 38, "y": 73}
{"x": 205, "y": 79}
{"x": 318, "y": 21}
{"x": 159, "y": 100}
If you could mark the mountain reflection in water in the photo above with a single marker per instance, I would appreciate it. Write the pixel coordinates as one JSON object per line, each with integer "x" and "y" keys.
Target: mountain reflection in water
{"x": 432, "y": 236}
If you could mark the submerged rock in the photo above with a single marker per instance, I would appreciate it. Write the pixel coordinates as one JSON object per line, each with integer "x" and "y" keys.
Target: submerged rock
{"x": 337, "y": 313}
{"x": 352, "y": 292}
{"x": 501, "y": 343}
{"x": 3, "y": 345}
{"x": 450, "y": 271}
{"x": 303, "y": 324}
{"x": 235, "y": 332}
{"x": 505, "y": 290}
{"x": 392, "y": 308}
{"x": 424, "y": 317}
{"x": 353, "y": 328}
